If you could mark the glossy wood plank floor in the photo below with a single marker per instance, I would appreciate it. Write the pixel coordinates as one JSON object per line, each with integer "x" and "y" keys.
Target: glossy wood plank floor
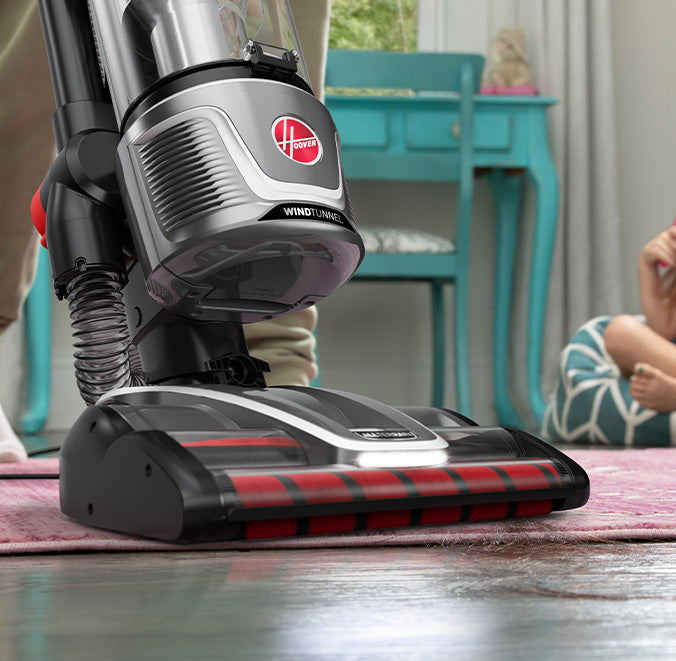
{"x": 577, "y": 601}
{"x": 611, "y": 601}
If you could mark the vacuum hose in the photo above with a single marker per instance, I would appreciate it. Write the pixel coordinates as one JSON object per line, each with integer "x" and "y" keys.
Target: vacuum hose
{"x": 104, "y": 355}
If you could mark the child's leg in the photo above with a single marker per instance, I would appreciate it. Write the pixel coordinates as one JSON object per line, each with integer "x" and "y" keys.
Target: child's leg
{"x": 630, "y": 342}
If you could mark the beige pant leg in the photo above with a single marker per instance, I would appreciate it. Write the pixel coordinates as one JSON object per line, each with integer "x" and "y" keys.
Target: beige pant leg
{"x": 26, "y": 144}
{"x": 26, "y": 107}
{"x": 312, "y": 19}
{"x": 288, "y": 344}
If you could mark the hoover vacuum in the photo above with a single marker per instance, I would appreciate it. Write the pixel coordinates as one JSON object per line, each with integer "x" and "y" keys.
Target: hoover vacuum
{"x": 198, "y": 187}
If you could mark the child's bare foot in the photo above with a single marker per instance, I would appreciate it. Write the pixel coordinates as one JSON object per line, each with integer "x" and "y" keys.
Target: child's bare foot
{"x": 653, "y": 389}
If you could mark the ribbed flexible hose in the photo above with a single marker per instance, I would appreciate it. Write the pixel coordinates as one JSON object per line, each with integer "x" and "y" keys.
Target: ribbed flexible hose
{"x": 102, "y": 344}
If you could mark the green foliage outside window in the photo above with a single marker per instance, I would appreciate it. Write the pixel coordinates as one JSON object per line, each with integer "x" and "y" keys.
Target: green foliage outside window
{"x": 390, "y": 25}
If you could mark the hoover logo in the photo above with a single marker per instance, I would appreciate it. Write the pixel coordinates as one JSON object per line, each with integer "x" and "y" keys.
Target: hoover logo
{"x": 296, "y": 140}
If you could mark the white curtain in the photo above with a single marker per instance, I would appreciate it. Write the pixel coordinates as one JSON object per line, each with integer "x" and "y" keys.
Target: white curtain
{"x": 570, "y": 51}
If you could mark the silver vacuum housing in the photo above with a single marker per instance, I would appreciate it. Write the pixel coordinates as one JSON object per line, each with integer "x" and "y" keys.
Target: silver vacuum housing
{"x": 233, "y": 184}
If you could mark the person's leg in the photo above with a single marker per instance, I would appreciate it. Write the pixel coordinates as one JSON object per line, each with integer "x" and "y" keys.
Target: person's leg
{"x": 26, "y": 107}
{"x": 288, "y": 343}
{"x": 629, "y": 341}
{"x": 312, "y": 19}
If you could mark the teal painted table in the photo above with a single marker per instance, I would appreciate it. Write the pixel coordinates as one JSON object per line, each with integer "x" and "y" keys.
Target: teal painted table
{"x": 511, "y": 145}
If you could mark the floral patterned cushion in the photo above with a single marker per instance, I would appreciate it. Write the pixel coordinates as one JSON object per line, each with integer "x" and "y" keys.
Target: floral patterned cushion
{"x": 392, "y": 240}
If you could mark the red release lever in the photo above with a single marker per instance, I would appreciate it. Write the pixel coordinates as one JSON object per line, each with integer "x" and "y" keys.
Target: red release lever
{"x": 39, "y": 216}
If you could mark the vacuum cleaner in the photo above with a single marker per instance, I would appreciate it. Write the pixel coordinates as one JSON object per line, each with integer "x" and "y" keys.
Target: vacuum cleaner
{"x": 198, "y": 187}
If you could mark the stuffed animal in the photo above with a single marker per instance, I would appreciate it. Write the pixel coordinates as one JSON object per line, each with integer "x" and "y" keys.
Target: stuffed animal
{"x": 509, "y": 71}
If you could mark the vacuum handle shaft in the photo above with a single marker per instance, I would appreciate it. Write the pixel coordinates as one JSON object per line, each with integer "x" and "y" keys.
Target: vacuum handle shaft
{"x": 71, "y": 53}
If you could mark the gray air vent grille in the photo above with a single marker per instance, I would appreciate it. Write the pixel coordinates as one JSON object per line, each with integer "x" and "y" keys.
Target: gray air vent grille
{"x": 190, "y": 174}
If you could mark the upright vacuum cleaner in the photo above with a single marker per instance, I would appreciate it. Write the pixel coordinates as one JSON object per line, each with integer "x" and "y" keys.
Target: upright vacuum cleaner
{"x": 198, "y": 187}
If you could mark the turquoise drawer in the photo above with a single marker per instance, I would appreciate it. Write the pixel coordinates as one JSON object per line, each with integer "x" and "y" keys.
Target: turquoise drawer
{"x": 440, "y": 131}
{"x": 372, "y": 129}
{"x": 362, "y": 128}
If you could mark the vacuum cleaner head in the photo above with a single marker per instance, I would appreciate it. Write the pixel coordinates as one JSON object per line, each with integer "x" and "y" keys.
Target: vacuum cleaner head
{"x": 196, "y": 464}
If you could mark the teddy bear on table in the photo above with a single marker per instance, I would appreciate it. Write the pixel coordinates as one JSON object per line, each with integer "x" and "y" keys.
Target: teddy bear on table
{"x": 509, "y": 71}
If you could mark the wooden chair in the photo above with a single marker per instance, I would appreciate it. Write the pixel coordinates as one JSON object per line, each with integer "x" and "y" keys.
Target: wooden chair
{"x": 400, "y": 137}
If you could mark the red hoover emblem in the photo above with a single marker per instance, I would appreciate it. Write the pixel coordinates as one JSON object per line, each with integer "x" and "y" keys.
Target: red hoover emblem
{"x": 296, "y": 140}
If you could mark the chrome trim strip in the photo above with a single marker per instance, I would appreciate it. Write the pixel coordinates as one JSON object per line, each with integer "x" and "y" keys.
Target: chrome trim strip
{"x": 306, "y": 426}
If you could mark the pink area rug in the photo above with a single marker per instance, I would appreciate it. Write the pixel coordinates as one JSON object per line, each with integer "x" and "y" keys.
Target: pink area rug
{"x": 633, "y": 497}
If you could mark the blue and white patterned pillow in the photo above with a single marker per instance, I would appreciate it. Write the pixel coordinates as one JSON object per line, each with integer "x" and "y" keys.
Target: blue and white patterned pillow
{"x": 591, "y": 400}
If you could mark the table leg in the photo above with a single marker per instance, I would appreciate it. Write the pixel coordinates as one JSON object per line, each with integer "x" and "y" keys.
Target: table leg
{"x": 439, "y": 354}
{"x": 37, "y": 322}
{"x": 507, "y": 191}
{"x": 543, "y": 175}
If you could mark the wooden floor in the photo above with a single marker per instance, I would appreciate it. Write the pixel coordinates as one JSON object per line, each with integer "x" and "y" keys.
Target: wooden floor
{"x": 496, "y": 602}
{"x": 581, "y": 601}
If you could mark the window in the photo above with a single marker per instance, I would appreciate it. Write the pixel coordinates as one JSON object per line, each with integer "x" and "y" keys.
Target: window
{"x": 390, "y": 25}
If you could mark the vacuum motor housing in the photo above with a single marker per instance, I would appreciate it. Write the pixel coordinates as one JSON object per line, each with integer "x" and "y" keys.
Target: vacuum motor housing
{"x": 237, "y": 201}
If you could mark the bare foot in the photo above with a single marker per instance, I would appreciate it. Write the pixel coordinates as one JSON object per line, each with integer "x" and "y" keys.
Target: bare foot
{"x": 653, "y": 389}
{"x": 11, "y": 448}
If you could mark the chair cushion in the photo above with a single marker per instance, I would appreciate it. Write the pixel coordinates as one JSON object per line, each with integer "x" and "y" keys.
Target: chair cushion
{"x": 591, "y": 400}
{"x": 393, "y": 240}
